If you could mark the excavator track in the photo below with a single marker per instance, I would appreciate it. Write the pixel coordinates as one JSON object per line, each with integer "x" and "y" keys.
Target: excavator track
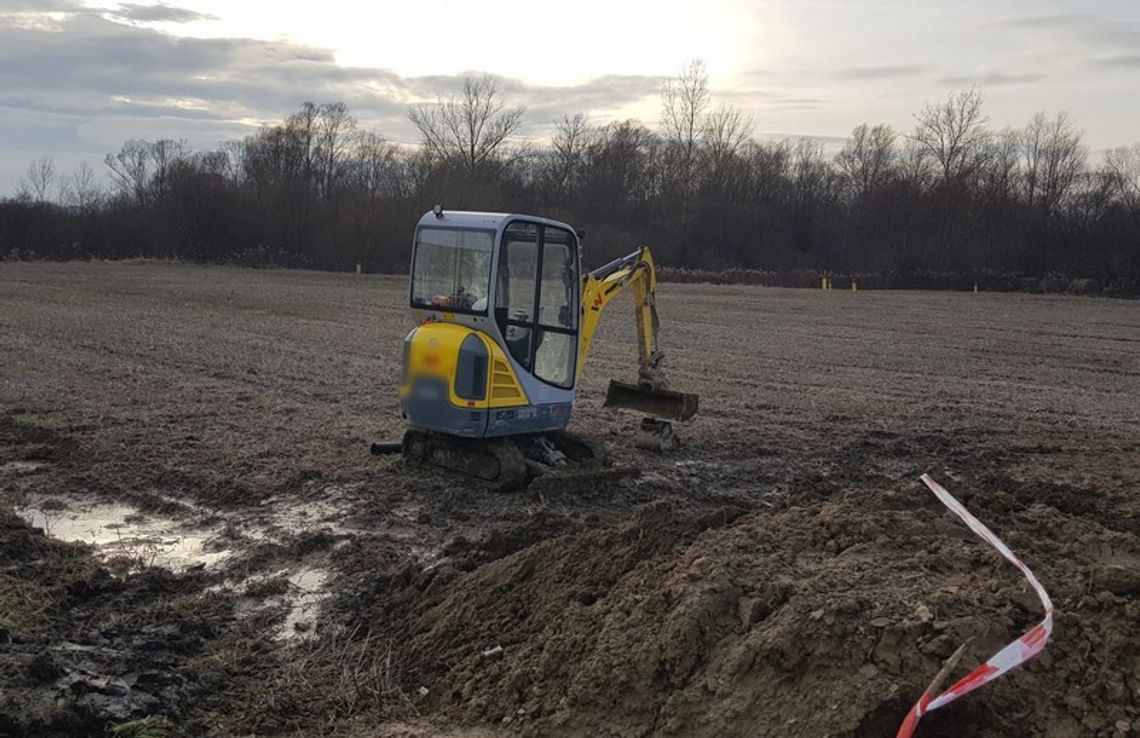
{"x": 505, "y": 464}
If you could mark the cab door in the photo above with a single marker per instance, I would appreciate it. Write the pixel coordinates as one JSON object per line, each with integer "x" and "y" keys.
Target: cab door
{"x": 536, "y": 300}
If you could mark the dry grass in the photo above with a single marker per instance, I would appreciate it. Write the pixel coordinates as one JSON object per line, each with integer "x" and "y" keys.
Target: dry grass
{"x": 148, "y": 727}
{"x": 343, "y": 675}
{"x": 43, "y": 421}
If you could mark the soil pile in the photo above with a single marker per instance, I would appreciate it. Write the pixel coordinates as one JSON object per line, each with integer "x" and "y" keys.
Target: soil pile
{"x": 820, "y": 619}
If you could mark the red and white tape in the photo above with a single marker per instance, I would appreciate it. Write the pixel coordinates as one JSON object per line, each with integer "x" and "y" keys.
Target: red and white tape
{"x": 1014, "y": 654}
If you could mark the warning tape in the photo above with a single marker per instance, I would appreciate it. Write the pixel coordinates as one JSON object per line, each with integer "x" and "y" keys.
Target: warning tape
{"x": 1014, "y": 654}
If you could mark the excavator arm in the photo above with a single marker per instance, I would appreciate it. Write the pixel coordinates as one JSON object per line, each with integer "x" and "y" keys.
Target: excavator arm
{"x": 607, "y": 282}
{"x": 650, "y": 394}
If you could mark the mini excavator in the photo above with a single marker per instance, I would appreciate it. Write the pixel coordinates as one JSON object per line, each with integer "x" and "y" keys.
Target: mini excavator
{"x": 504, "y": 326}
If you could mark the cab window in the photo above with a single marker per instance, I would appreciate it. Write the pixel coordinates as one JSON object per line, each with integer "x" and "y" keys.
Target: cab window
{"x": 515, "y": 295}
{"x": 536, "y": 300}
{"x": 451, "y": 269}
{"x": 559, "y": 280}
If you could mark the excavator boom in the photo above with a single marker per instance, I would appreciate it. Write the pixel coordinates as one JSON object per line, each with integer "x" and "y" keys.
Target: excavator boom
{"x": 649, "y": 394}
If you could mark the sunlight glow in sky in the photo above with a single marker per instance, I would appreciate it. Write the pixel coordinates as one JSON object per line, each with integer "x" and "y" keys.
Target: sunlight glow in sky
{"x": 544, "y": 43}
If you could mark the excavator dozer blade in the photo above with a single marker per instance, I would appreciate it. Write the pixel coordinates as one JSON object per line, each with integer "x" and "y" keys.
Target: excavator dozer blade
{"x": 659, "y": 403}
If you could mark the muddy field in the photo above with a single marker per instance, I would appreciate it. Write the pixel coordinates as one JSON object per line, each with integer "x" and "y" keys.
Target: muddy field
{"x": 195, "y": 541}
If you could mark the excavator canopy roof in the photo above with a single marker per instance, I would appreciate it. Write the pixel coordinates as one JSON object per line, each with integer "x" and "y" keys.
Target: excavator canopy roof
{"x": 475, "y": 219}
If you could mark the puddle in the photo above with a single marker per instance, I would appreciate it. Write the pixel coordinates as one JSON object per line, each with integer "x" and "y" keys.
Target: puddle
{"x": 306, "y": 592}
{"x": 325, "y": 510}
{"x": 122, "y": 531}
{"x": 146, "y": 539}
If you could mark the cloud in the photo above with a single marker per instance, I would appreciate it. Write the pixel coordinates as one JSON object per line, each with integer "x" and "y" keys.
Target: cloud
{"x": 882, "y": 71}
{"x": 158, "y": 14}
{"x": 100, "y": 80}
{"x": 756, "y": 98}
{"x": 1055, "y": 20}
{"x": 110, "y": 131}
{"x": 991, "y": 79}
{"x": 825, "y": 139}
{"x": 40, "y": 6}
{"x": 1120, "y": 60}
{"x": 1072, "y": 30}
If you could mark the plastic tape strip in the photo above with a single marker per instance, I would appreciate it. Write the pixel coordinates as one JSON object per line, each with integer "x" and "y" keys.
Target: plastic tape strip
{"x": 1014, "y": 654}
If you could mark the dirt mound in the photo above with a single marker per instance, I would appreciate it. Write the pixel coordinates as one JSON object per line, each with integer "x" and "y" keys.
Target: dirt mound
{"x": 822, "y": 619}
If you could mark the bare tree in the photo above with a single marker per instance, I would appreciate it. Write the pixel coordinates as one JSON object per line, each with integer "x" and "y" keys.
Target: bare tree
{"x": 470, "y": 127}
{"x": 1054, "y": 156}
{"x": 866, "y": 158}
{"x": 1092, "y": 194}
{"x": 571, "y": 139}
{"x": 915, "y": 164}
{"x": 617, "y": 165}
{"x": 335, "y": 136}
{"x": 770, "y": 164}
{"x": 131, "y": 170}
{"x": 684, "y": 102}
{"x": 301, "y": 131}
{"x": 725, "y": 132}
{"x": 953, "y": 132}
{"x": 375, "y": 165}
{"x": 81, "y": 190}
{"x": 165, "y": 154}
{"x": 1122, "y": 167}
{"x": 941, "y": 206}
{"x": 811, "y": 176}
{"x": 38, "y": 180}
{"x": 999, "y": 177}
{"x": 684, "y": 105}
{"x": 233, "y": 150}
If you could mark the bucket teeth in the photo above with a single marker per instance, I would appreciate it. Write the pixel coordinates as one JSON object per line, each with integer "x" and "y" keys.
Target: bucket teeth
{"x": 660, "y": 403}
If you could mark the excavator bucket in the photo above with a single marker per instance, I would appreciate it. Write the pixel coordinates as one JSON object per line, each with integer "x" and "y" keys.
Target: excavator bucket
{"x": 660, "y": 403}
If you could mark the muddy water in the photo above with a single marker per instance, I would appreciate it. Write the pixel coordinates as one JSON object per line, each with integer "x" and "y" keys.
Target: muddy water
{"x": 121, "y": 531}
{"x": 307, "y": 590}
{"x": 118, "y": 531}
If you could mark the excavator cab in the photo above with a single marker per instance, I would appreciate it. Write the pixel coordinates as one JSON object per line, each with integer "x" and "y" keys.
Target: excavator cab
{"x": 497, "y": 301}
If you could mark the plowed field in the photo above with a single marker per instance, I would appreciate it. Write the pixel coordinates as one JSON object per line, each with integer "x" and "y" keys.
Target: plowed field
{"x": 193, "y": 534}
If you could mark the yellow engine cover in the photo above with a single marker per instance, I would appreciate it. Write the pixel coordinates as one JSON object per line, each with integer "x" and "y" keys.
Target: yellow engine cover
{"x": 432, "y": 351}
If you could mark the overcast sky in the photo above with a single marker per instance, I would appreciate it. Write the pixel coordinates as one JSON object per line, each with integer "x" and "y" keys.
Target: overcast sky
{"x": 78, "y": 77}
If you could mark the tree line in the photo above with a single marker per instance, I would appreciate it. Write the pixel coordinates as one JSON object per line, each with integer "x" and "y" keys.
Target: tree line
{"x": 949, "y": 202}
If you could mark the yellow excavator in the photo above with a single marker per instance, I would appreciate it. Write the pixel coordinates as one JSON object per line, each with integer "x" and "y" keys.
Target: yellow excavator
{"x": 505, "y": 320}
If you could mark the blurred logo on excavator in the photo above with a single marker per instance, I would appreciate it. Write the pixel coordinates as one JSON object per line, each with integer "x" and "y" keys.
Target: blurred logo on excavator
{"x": 427, "y": 391}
